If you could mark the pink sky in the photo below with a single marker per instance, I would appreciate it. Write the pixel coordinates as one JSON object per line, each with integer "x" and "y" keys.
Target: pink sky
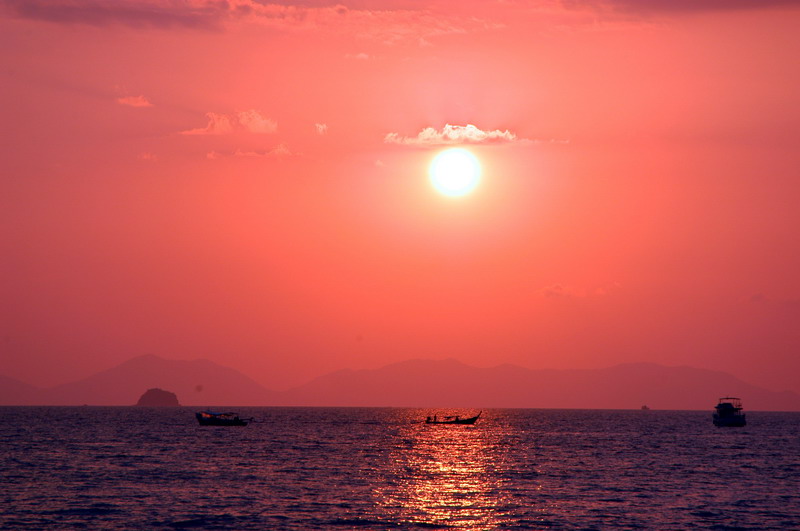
{"x": 247, "y": 182}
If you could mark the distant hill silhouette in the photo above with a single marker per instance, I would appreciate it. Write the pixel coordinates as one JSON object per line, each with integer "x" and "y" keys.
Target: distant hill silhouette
{"x": 197, "y": 382}
{"x": 16, "y": 393}
{"x": 414, "y": 383}
{"x": 428, "y": 383}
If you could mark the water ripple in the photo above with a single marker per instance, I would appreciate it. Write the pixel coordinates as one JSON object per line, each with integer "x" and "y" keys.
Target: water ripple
{"x": 317, "y": 468}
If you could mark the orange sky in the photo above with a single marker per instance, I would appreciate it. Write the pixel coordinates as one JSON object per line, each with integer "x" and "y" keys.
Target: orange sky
{"x": 247, "y": 182}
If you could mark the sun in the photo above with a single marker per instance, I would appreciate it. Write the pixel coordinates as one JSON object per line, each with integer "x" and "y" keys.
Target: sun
{"x": 455, "y": 172}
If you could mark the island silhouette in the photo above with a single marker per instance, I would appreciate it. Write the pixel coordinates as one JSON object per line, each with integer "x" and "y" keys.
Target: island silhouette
{"x": 156, "y": 397}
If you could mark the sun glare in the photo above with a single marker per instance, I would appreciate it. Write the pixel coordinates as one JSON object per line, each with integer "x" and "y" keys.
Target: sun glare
{"x": 455, "y": 172}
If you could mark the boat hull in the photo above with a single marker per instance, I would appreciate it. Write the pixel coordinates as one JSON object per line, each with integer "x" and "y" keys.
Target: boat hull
{"x": 728, "y": 413}
{"x": 729, "y": 422}
{"x": 470, "y": 420}
{"x": 212, "y": 420}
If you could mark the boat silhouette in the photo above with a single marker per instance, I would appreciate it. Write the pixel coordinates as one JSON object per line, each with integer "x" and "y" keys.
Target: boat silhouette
{"x": 729, "y": 412}
{"x": 209, "y": 418}
{"x": 452, "y": 419}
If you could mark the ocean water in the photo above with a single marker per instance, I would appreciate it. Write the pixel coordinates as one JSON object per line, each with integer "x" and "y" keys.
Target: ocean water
{"x": 346, "y": 468}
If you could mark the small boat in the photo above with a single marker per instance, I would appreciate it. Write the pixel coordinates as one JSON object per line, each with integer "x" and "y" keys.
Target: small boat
{"x": 209, "y": 418}
{"x": 729, "y": 412}
{"x": 452, "y": 419}
{"x": 645, "y": 407}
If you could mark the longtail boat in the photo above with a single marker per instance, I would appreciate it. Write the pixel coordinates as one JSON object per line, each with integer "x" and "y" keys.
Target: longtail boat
{"x": 452, "y": 419}
{"x": 209, "y": 418}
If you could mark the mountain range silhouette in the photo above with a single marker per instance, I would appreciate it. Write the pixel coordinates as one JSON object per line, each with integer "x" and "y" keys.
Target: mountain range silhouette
{"x": 412, "y": 383}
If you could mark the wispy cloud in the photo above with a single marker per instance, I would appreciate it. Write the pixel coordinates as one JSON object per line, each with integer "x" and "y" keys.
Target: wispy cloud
{"x": 255, "y": 123}
{"x": 251, "y": 121}
{"x": 679, "y": 6}
{"x": 134, "y": 101}
{"x": 358, "y": 56}
{"x": 560, "y": 291}
{"x": 785, "y": 303}
{"x": 387, "y": 26}
{"x": 218, "y": 124}
{"x": 452, "y": 134}
{"x": 281, "y": 150}
{"x": 135, "y": 13}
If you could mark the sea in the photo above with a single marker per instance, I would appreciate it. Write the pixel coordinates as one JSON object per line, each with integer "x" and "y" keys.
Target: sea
{"x": 384, "y": 468}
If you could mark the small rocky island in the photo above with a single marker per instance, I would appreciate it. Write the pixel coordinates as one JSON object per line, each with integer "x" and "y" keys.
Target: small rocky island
{"x": 158, "y": 398}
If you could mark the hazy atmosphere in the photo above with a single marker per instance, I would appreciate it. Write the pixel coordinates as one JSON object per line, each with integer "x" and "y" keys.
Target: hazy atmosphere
{"x": 248, "y": 183}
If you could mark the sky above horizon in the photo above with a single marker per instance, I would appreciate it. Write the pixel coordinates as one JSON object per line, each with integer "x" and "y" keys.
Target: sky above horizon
{"x": 248, "y": 182}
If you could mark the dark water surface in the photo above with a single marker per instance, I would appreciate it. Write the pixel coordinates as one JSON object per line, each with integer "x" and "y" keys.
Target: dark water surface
{"x": 331, "y": 468}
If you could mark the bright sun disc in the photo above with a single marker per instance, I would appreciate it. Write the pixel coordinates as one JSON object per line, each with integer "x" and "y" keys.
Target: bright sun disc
{"x": 455, "y": 172}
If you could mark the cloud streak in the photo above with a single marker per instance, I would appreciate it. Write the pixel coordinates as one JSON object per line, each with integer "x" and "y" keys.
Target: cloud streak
{"x": 253, "y": 122}
{"x": 386, "y": 25}
{"x": 678, "y": 6}
{"x": 453, "y": 134}
{"x": 279, "y": 151}
{"x": 134, "y": 101}
{"x": 138, "y": 13}
{"x": 250, "y": 121}
{"x": 561, "y": 291}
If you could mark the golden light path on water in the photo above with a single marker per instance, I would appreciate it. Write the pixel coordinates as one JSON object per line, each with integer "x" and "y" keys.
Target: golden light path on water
{"x": 448, "y": 475}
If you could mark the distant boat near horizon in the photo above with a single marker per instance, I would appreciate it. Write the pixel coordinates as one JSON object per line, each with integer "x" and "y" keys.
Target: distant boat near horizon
{"x": 452, "y": 419}
{"x": 645, "y": 408}
{"x": 209, "y": 418}
{"x": 728, "y": 413}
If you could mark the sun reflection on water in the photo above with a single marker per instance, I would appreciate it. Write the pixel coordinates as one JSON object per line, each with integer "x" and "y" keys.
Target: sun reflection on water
{"x": 446, "y": 475}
